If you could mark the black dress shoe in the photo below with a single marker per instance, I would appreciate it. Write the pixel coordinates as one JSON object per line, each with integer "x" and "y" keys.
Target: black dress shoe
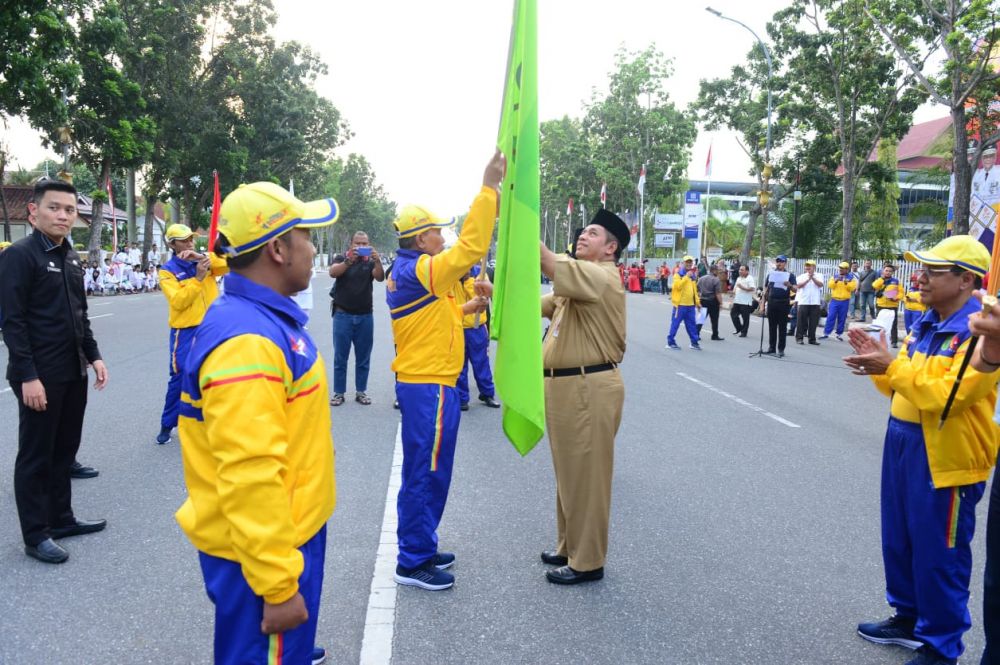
{"x": 717, "y": 339}
{"x": 567, "y": 575}
{"x": 47, "y": 551}
{"x": 781, "y": 354}
{"x": 490, "y": 402}
{"x": 80, "y": 471}
{"x": 464, "y": 406}
{"x": 553, "y": 558}
{"x": 814, "y": 342}
{"x": 78, "y": 528}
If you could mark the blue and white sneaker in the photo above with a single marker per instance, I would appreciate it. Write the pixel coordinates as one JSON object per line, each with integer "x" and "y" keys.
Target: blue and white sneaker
{"x": 695, "y": 346}
{"x": 444, "y": 560}
{"x": 318, "y": 656}
{"x": 894, "y": 630}
{"x": 164, "y": 436}
{"x": 426, "y": 576}
{"x": 673, "y": 347}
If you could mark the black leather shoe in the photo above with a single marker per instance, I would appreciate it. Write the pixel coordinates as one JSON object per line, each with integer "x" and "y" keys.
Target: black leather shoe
{"x": 80, "y": 471}
{"x": 553, "y": 558}
{"x": 47, "y": 551}
{"x": 567, "y": 575}
{"x": 781, "y": 354}
{"x": 814, "y": 342}
{"x": 464, "y": 406}
{"x": 717, "y": 339}
{"x": 78, "y": 528}
{"x": 490, "y": 402}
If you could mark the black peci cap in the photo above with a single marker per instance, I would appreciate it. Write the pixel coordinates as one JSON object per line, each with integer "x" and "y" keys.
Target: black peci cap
{"x": 615, "y": 225}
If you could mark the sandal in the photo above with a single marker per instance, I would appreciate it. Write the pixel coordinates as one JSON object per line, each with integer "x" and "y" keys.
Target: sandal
{"x": 337, "y": 399}
{"x": 363, "y": 398}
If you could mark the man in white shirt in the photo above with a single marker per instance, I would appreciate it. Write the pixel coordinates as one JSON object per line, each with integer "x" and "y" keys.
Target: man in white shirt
{"x": 153, "y": 258}
{"x": 743, "y": 290}
{"x": 134, "y": 254}
{"x": 808, "y": 297}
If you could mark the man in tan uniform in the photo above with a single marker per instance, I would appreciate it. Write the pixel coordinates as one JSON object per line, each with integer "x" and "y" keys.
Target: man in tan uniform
{"x": 584, "y": 392}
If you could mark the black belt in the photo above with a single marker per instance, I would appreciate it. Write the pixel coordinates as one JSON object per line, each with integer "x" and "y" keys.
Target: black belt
{"x": 577, "y": 371}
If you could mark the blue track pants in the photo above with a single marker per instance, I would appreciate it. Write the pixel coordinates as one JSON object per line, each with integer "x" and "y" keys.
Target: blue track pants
{"x": 180, "y": 346}
{"x": 477, "y": 346}
{"x": 685, "y": 313}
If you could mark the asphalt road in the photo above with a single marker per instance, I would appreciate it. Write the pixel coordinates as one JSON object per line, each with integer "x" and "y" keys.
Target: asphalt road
{"x": 745, "y": 523}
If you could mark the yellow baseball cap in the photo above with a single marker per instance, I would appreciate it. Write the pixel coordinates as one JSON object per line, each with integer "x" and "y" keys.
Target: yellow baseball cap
{"x": 962, "y": 251}
{"x": 253, "y": 214}
{"x": 844, "y": 264}
{"x": 687, "y": 257}
{"x": 414, "y": 220}
{"x": 179, "y": 232}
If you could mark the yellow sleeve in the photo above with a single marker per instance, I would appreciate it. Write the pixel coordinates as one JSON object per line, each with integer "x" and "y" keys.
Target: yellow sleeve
{"x": 180, "y": 294}
{"x": 439, "y": 273}
{"x": 585, "y": 281}
{"x": 220, "y": 266}
{"x": 548, "y": 306}
{"x": 930, "y": 393}
{"x": 243, "y": 384}
{"x": 881, "y": 381}
{"x": 877, "y": 284}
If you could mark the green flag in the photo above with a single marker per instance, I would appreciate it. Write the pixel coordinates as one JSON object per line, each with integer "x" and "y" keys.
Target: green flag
{"x": 516, "y": 322}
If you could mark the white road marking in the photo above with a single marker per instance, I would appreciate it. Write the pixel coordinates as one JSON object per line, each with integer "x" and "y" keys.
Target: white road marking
{"x": 101, "y": 316}
{"x": 380, "y": 619}
{"x": 5, "y": 390}
{"x": 739, "y": 401}
{"x": 98, "y": 304}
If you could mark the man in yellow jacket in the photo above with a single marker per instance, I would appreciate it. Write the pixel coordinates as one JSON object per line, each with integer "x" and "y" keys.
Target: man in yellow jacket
{"x": 477, "y": 338}
{"x": 932, "y": 477}
{"x": 842, "y": 286}
{"x": 255, "y": 435}
{"x": 684, "y": 298}
{"x": 430, "y": 349}
{"x": 188, "y": 283}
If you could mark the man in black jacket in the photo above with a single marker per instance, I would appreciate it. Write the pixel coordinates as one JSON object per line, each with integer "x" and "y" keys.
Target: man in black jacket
{"x": 43, "y": 312}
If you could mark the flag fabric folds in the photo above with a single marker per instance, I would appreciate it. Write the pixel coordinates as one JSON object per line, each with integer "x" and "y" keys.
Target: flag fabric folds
{"x": 708, "y": 162}
{"x": 569, "y": 207}
{"x": 641, "y": 187}
{"x": 516, "y": 321}
{"x": 213, "y": 227}
{"x": 604, "y": 195}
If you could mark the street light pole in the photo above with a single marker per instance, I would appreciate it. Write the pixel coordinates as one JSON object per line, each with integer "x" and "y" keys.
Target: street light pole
{"x": 764, "y": 195}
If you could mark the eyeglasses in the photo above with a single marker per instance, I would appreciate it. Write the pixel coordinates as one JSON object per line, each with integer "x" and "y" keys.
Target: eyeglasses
{"x": 954, "y": 270}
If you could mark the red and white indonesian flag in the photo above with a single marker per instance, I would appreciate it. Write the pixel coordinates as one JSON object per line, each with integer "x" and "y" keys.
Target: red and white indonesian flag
{"x": 708, "y": 162}
{"x": 114, "y": 220}
{"x": 642, "y": 181}
{"x": 604, "y": 195}
{"x": 569, "y": 207}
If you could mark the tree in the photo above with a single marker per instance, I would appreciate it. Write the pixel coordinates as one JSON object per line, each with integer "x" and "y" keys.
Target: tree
{"x": 363, "y": 203}
{"x": 105, "y": 107}
{"x": 877, "y": 208}
{"x": 967, "y": 32}
{"x": 843, "y": 82}
{"x": 739, "y": 103}
{"x": 35, "y": 67}
{"x": 565, "y": 169}
{"x": 636, "y": 124}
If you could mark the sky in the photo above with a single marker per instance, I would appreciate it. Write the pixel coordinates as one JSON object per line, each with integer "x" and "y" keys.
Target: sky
{"x": 420, "y": 83}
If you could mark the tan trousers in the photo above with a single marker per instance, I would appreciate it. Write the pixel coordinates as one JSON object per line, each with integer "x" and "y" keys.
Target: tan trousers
{"x": 583, "y": 414}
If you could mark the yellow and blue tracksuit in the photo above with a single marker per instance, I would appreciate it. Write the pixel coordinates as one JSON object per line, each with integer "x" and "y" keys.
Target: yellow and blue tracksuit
{"x": 258, "y": 465}
{"x": 913, "y": 308}
{"x": 933, "y": 478}
{"x": 188, "y": 300}
{"x": 841, "y": 288}
{"x": 882, "y": 286}
{"x": 430, "y": 349}
{"x": 477, "y": 344}
{"x": 684, "y": 297}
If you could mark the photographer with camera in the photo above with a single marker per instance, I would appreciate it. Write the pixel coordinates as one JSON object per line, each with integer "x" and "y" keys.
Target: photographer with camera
{"x": 353, "y": 323}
